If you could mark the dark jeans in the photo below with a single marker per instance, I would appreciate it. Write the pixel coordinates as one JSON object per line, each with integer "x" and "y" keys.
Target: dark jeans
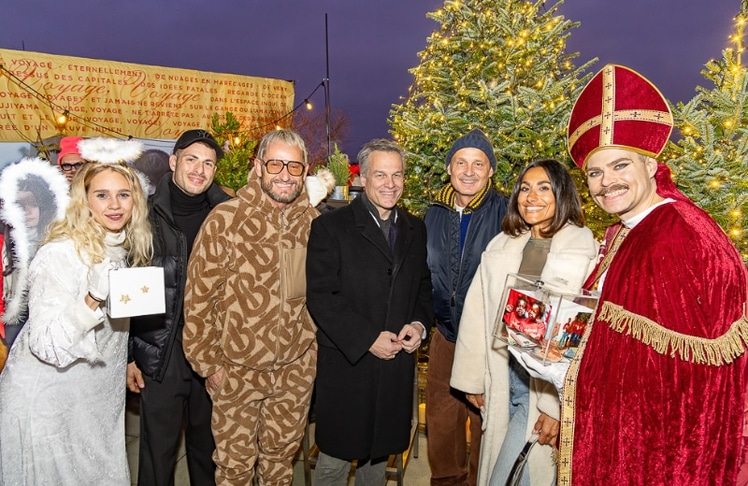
{"x": 447, "y": 411}
{"x": 164, "y": 407}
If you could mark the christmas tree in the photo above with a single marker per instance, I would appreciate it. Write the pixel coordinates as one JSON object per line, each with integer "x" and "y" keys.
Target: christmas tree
{"x": 233, "y": 168}
{"x": 239, "y": 144}
{"x": 497, "y": 65}
{"x": 710, "y": 159}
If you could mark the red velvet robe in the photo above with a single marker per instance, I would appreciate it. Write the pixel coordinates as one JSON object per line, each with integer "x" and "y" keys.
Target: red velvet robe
{"x": 655, "y": 395}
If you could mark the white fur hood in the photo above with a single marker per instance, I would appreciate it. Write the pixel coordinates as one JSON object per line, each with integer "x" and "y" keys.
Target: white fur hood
{"x": 22, "y": 241}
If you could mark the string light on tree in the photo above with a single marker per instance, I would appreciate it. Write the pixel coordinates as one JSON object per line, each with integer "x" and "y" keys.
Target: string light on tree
{"x": 497, "y": 65}
{"x": 710, "y": 159}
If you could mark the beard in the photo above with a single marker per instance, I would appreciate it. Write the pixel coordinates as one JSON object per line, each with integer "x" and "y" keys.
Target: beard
{"x": 285, "y": 198}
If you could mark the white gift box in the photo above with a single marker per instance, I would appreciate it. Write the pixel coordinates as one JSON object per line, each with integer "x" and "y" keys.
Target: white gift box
{"x": 136, "y": 291}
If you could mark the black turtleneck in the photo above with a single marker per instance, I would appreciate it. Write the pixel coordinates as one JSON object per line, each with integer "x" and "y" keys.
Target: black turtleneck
{"x": 188, "y": 211}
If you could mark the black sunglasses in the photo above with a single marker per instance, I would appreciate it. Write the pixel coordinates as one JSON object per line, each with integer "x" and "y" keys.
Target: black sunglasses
{"x": 69, "y": 167}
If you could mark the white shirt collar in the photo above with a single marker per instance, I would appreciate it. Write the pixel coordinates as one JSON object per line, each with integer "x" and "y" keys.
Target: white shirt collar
{"x": 630, "y": 223}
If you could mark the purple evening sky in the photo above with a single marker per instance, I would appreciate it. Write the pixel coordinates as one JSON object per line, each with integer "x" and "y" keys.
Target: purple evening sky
{"x": 371, "y": 44}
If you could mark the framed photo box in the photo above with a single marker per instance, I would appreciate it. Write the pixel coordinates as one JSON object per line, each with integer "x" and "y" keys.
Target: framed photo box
{"x": 542, "y": 320}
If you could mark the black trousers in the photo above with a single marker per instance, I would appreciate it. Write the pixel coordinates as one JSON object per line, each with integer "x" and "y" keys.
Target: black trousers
{"x": 179, "y": 399}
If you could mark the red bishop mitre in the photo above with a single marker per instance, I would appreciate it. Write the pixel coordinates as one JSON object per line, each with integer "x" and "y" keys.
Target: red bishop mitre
{"x": 619, "y": 108}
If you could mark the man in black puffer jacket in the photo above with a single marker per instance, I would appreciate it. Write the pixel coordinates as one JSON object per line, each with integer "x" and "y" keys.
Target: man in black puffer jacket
{"x": 465, "y": 216}
{"x": 171, "y": 393}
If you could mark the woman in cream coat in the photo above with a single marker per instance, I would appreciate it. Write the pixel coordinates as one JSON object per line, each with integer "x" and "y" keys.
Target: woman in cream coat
{"x": 544, "y": 215}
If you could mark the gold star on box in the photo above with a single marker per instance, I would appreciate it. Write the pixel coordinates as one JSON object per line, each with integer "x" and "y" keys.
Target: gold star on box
{"x": 141, "y": 291}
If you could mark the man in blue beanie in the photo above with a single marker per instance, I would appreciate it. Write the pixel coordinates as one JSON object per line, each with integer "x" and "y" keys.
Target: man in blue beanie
{"x": 464, "y": 217}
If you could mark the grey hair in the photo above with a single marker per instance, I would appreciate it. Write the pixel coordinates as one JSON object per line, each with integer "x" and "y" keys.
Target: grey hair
{"x": 288, "y": 137}
{"x": 377, "y": 145}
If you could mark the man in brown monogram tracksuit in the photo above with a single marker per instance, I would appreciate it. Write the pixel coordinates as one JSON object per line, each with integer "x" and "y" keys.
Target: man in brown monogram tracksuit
{"x": 247, "y": 329}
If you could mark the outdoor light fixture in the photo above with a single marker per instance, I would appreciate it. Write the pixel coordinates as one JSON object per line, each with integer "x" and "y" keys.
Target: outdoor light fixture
{"x": 62, "y": 120}
{"x": 308, "y": 104}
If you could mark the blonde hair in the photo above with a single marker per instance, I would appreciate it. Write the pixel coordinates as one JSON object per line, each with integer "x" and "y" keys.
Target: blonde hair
{"x": 87, "y": 235}
{"x": 288, "y": 137}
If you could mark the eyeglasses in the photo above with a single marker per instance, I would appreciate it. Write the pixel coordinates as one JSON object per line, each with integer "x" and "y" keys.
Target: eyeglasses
{"x": 275, "y": 166}
{"x": 69, "y": 167}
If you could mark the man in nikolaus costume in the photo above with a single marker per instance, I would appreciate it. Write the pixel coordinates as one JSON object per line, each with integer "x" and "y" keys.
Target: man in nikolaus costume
{"x": 655, "y": 393}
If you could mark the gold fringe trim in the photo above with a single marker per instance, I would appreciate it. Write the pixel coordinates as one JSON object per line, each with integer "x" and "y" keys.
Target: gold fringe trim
{"x": 721, "y": 350}
{"x": 715, "y": 352}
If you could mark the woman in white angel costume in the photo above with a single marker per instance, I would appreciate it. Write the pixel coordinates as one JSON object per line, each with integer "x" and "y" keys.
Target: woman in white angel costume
{"x": 62, "y": 393}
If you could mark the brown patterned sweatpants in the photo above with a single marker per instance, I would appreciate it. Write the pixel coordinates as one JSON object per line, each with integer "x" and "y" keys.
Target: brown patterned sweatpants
{"x": 258, "y": 421}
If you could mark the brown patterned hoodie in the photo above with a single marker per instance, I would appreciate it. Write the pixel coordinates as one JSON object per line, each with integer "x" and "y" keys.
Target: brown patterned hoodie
{"x": 245, "y": 298}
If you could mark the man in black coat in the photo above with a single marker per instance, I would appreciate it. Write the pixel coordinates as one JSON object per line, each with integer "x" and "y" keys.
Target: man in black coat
{"x": 369, "y": 292}
{"x": 170, "y": 391}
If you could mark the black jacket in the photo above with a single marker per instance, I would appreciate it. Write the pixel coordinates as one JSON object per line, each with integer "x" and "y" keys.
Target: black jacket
{"x": 451, "y": 274}
{"x": 152, "y": 337}
{"x": 357, "y": 288}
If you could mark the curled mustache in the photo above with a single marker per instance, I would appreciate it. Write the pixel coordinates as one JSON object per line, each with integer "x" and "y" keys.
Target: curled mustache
{"x": 604, "y": 191}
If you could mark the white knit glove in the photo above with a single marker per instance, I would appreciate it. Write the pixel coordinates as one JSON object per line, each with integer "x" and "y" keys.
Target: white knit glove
{"x": 98, "y": 279}
{"x": 552, "y": 372}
